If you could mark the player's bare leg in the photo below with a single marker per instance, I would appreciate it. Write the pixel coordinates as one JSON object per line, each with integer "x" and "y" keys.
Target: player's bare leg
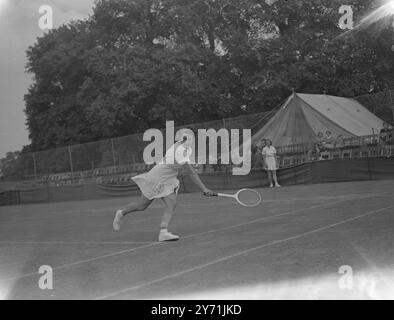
{"x": 165, "y": 235}
{"x": 275, "y": 179}
{"x": 140, "y": 205}
{"x": 270, "y": 179}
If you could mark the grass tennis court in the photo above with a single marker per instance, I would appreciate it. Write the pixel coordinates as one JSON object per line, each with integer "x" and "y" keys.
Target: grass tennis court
{"x": 291, "y": 246}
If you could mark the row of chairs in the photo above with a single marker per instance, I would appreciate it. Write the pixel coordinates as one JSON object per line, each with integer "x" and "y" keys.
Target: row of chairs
{"x": 124, "y": 173}
{"x": 123, "y": 179}
{"x": 362, "y": 152}
{"x": 132, "y": 168}
{"x": 135, "y": 167}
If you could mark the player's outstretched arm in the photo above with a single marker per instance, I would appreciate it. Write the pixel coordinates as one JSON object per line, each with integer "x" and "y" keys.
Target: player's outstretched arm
{"x": 196, "y": 179}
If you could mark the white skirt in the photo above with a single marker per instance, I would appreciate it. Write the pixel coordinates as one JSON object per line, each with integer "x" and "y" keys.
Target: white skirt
{"x": 271, "y": 163}
{"x": 153, "y": 188}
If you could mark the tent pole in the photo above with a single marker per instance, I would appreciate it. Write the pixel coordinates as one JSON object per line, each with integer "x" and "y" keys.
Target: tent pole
{"x": 71, "y": 161}
{"x": 113, "y": 152}
{"x": 35, "y": 166}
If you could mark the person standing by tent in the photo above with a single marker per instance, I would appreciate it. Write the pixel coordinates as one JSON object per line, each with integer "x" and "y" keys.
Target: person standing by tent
{"x": 328, "y": 141}
{"x": 320, "y": 140}
{"x": 386, "y": 133}
{"x": 269, "y": 156}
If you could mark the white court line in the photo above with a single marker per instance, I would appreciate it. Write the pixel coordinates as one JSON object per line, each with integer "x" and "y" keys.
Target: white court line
{"x": 156, "y": 205}
{"x": 82, "y": 261}
{"x": 74, "y": 242}
{"x": 176, "y": 274}
{"x": 193, "y": 205}
{"x": 265, "y": 218}
{"x": 185, "y": 237}
{"x": 112, "y": 209}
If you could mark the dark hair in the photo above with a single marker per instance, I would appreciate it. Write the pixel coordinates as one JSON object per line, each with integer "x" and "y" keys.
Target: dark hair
{"x": 184, "y": 135}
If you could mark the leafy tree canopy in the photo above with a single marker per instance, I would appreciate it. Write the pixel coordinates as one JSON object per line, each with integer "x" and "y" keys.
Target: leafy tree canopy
{"x": 136, "y": 63}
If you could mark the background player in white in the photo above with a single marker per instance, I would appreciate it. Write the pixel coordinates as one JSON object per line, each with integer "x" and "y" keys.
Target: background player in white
{"x": 269, "y": 155}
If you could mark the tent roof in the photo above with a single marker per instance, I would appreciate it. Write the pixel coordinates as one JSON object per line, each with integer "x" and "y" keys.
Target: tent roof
{"x": 302, "y": 116}
{"x": 347, "y": 113}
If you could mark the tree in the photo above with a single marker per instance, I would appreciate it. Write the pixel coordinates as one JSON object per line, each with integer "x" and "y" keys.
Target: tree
{"x": 134, "y": 64}
{"x": 9, "y": 165}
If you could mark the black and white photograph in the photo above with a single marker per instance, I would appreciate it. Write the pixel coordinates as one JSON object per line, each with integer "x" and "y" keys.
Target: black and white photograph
{"x": 197, "y": 150}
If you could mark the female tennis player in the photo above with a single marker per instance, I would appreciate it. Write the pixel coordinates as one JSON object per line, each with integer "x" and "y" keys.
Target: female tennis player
{"x": 161, "y": 183}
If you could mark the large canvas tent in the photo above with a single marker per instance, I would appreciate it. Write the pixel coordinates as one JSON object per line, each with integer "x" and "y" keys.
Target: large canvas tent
{"x": 303, "y": 116}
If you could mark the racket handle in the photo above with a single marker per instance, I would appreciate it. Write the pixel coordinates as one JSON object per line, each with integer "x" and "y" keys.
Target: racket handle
{"x": 213, "y": 195}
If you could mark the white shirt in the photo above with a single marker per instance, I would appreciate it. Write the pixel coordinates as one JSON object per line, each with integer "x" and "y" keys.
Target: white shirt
{"x": 177, "y": 154}
{"x": 269, "y": 151}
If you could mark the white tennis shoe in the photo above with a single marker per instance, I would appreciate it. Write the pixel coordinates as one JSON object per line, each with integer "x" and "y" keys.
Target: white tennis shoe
{"x": 117, "y": 220}
{"x": 164, "y": 235}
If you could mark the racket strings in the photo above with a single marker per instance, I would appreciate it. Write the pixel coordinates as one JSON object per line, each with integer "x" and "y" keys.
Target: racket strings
{"x": 249, "y": 198}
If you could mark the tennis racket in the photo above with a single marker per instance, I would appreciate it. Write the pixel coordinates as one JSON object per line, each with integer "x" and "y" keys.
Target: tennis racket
{"x": 245, "y": 197}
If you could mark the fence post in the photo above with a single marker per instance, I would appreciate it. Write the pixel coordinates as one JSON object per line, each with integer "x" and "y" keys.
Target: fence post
{"x": 182, "y": 183}
{"x": 369, "y": 169}
{"x": 392, "y": 104}
{"x": 35, "y": 166}
{"x": 71, "y": 161}
{"x": 295, "y": 174}
{"x": 113, "y": 152}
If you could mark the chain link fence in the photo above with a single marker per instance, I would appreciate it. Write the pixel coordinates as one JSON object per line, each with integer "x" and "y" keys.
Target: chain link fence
{"x": 127, "y": 152}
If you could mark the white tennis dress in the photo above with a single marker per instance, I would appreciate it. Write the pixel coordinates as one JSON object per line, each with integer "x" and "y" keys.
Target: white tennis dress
{"x": 269, "y": 154}
{"x": 161, "y": 180}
